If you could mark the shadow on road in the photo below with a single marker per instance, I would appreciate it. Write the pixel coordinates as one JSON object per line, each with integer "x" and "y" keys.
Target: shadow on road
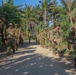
{"x": 26, "y": 44}
{"x": 36, "y": 64}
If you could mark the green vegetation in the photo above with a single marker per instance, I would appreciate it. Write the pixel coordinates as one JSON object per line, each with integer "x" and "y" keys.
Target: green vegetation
{"x": 38, "y": 17}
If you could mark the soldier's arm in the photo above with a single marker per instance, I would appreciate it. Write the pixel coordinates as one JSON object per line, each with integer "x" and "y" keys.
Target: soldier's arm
{"x": 19, "y": 31}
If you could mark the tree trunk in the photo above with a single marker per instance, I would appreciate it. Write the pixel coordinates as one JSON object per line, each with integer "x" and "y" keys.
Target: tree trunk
{"x": 45, "y": 17}
{"x": 26, "y": 26}
{"x": 71, "y": 21}
{"x": 53, "y": 19}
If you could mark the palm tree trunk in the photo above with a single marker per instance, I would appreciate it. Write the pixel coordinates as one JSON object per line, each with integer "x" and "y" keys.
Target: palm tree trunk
{"x": 26, "y": 26}
{"x": 45, "y": 17}
{"x": 53, "y": 19}
{"x": 71, "y": 21}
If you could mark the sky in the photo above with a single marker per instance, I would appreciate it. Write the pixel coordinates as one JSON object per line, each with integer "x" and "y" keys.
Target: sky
{"x": 23, "y": 2}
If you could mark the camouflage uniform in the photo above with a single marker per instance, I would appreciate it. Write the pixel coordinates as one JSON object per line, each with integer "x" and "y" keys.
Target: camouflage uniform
{"x": 30, "y": 36}
{"x": 37, "y": 36}
{"x": 71, "y": 38}
{"x": 74, "y": 39}
{"x": 45, "y": 38}
{"x": 41, "y": 38}
{"x": 57, "y": 39}
{"x": 10, "y": 32}
{"x": 17, "y": 35}
{"x": 22, "y": 37}
{"x": 51, "y": 39}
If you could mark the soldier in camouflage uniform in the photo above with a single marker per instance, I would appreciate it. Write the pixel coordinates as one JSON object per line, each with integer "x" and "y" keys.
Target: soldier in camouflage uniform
{"x": 41, "y": 38}
{"x": 37, "y": 37}
{"x": 71, "y": 38}
{"x": 30, "y": 36}
{"x": 17, "y": 35}
{"x": 51, "y": 39}
{"x": 10, "y": 32}
{"x": 74, "y": 39}
{"x": 45, "y": 38}
{"x": 57, "y": 38}
{"x": 22, "y": 37}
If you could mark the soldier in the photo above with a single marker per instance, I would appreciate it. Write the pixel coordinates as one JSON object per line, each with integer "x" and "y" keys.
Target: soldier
{"x": 45, "y": 38}
{"x": 57, "y": 38}
{"x": 37, "y": 37}
{"x": 30, "y": 36}
{"x": 17, "y": 35}
{"x": 74, "y": 39}
{"x": 41, "y": 38}
{"x": 74, "y": 45}
{"x": 51, "y": 38}
{"x": 10, "y": 32}
{"x": 22, "y": 37}
{"x": 71, "y": 38}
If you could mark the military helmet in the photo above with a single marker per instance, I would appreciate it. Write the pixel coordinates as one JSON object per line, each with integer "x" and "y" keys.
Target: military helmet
{"x": 58, "y": 25}
{"x": 10, "y": 24}
{"x": 16, "y": 24}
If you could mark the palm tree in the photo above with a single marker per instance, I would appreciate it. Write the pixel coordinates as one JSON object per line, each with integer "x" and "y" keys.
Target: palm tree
{"x": 44, "y": 5}
{"x": 4, "y": 2}
{"x": 10, "y": 2}
{"x": 53, "y": 9}
{"x": 27, "y": 14}
{"x": 69, "y": 6}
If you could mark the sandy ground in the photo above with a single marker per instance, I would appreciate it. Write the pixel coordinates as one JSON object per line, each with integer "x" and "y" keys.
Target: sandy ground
{"x": 31, "y": 59}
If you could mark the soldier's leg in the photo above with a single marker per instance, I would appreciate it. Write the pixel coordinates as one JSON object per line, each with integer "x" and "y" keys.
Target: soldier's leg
{"x": 17, "y": 43}
{"x": 41, "y": 42}
{"x": 8, "y": 47}
{"x": 74, "y": 47}
{"x": 69, "y": 46}
{"x": 45, "y": 43}
{"x": 54, "y": 48}
{"x": 50, "y": 45}
{"x": 29, "y": 39}
{"x": 13, "y": 45}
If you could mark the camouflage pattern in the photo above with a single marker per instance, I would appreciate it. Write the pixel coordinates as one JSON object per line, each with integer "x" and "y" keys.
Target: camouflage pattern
{"x": 10, "y": 32}
{"x": 37, "y": 37}
{"x": 30, "y": 36}
{"x": 17, "y": 35}
{"x": 74, "y": 41}
{"x": 57, "y": 41}
{"x": 71, "y": 38}
{"x": 51, "y": 39}
{"x": 41, "y": 40}
{"x": 44, "y": 38}
{"x": 22, "y": 37}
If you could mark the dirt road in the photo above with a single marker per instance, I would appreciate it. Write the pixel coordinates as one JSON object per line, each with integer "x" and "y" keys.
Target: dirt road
{"x": 31, "y": 59}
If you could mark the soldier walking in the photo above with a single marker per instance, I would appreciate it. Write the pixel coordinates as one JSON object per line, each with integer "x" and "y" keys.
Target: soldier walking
{"x": 17, "y": 35}
{"x": 74, "y": 40}
{"x": 51, "y": 38}
{"x": 22, "y": 37}
{"x": 10, "y": 32}
{"x": 57, "y": 38}
{"x": 71, "y": 38}
{"x": 37, "y": 37}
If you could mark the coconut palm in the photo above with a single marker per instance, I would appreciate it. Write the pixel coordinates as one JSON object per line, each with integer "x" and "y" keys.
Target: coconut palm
{"x": 69, "y": 6}
{"x": 27, "y": 12}
{"x": 53, "y": 10}
{"x": 44, "y": 5}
